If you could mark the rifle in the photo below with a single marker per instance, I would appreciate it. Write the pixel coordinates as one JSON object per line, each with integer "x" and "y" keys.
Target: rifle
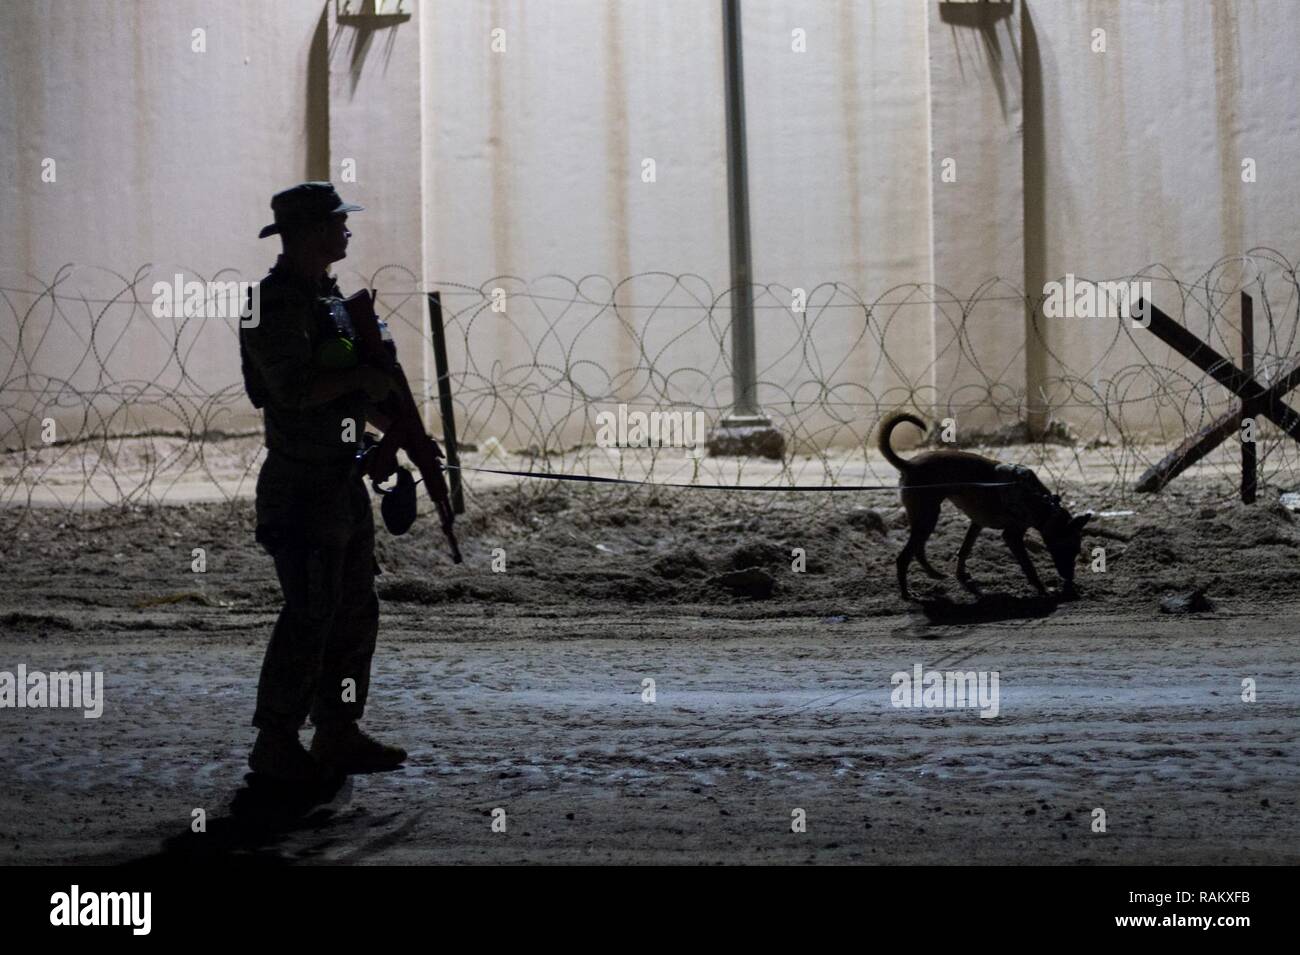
{"x": 406, "y": 430}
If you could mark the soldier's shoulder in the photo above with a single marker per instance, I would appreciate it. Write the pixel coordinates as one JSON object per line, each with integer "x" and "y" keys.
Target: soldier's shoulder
{"x": 277, "y": 296}
{"x": 275, "y": 285}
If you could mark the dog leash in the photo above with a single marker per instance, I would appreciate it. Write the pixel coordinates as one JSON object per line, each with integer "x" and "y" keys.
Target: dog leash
{"x": 589, "y": 479}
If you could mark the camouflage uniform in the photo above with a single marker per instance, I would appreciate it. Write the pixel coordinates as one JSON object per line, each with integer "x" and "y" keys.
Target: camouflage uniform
{"x": 313, "y": 511}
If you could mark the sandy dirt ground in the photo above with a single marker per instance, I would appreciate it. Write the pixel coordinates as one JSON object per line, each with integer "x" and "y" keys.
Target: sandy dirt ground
{"x": 523, "y": 691}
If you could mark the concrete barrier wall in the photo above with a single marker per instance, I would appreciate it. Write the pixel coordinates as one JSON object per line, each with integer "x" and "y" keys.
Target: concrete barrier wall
{"x": 495, "y": 168}
{"x": 537, "y": 164}
{"x": 1137, "y": 160}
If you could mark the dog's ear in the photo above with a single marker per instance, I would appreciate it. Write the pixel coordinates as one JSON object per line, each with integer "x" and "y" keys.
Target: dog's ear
{"x": 1079, "y": 522}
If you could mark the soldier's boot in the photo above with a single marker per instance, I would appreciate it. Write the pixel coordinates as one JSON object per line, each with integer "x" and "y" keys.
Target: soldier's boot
{"x": 280, "y": 755}
{"x": 346, "y": 749}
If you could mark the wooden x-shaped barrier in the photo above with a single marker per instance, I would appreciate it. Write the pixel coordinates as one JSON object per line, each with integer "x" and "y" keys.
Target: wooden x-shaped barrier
{"x": 1256, "y": 399}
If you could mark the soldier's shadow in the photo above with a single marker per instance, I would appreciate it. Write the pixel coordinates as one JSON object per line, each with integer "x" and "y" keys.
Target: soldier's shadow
{"x": 262, "y": 814}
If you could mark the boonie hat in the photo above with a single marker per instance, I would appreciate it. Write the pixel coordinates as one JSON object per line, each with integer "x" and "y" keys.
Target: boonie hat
{"x": 305, "y": 203}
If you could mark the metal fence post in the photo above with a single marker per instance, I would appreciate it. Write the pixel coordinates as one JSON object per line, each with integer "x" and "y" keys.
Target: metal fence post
{"x": 1249, "y": 469}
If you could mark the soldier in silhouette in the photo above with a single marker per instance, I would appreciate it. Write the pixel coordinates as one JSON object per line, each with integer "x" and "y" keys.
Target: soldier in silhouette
{"x": 313, "y": 511}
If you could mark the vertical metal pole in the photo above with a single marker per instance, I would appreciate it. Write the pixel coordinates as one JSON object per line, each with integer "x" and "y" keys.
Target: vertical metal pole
{"x": 444, "y": 402}
{"x": 1248, "y": 468}
{"x": 743, "y": 366}
{"x": 746, "y": 431}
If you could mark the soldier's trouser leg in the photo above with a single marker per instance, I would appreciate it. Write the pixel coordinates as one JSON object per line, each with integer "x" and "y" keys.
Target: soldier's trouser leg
{"x": 350, "y": 642}
{"x": 326, "y": 631}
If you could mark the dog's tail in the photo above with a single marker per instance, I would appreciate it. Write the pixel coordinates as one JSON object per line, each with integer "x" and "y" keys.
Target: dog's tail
{"x": 887, "y": 428}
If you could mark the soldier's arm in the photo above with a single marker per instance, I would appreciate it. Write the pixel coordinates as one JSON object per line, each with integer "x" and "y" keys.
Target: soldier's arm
{"x": 376, "y": 417}
{"x": 328, "y": 385}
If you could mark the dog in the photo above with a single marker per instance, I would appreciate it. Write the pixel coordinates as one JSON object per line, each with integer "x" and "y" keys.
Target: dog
{"x": 1005, "y": 497}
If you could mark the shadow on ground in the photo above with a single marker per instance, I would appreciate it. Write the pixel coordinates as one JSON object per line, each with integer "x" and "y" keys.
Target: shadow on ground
{"x": 988, "y": 608}
{"x": 263, "y": 813}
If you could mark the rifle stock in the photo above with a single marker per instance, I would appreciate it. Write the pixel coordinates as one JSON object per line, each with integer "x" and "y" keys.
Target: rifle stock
{"x": 406, "y": 430}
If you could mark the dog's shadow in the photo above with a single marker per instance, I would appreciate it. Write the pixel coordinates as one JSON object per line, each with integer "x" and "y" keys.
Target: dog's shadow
{"x": 986, "y": 608}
